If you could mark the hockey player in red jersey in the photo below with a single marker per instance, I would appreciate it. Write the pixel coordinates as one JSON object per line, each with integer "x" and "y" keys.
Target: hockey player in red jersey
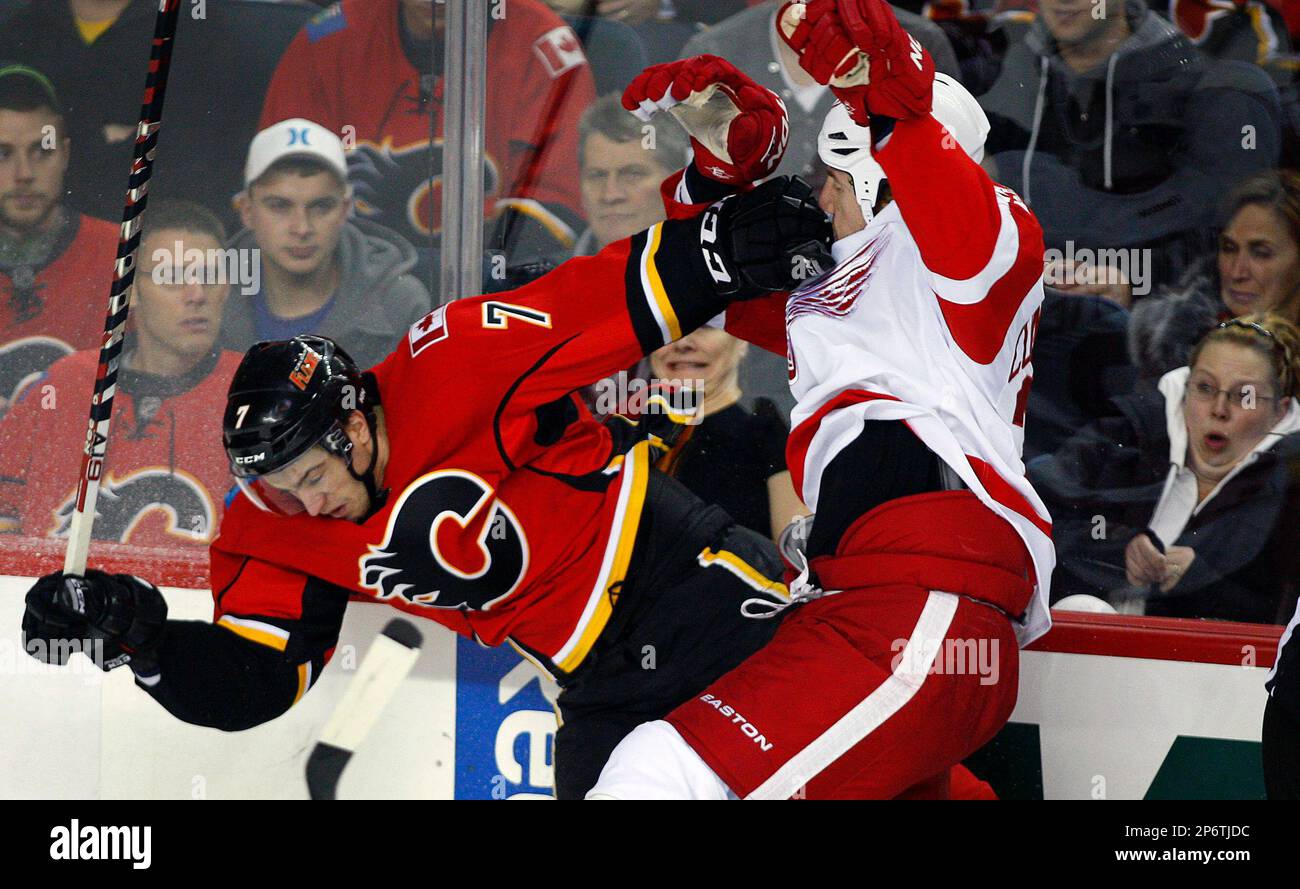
{"x": 365, "y": 69}
{"x": 929, "y": 554}
{"x": 463, "y": 480}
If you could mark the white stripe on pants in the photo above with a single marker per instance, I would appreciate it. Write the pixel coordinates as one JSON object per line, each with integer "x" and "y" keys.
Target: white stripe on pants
{"x": 888, "y": 698}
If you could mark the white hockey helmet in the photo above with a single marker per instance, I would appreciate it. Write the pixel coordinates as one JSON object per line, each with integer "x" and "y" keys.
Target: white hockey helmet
{"x": 844, "y": 145}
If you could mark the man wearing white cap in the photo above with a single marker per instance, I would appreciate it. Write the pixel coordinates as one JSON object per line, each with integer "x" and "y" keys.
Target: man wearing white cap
{"x": 320, "y": 271}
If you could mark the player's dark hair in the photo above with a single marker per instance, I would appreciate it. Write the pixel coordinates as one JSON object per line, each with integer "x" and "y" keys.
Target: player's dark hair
{"x": 666, "y": 142}
{"x": 23, "y": 88}
{"x": 186, "y": 216}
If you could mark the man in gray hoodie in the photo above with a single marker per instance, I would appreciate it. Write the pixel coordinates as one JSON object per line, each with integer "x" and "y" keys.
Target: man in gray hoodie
{"x": 317, "y": 271}
{"x": 1120, "y": 133}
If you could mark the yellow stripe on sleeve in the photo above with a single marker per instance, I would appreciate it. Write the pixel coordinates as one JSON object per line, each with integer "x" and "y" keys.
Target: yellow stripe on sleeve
{"x": 255, "y": 633}
{"x": 673, "y": 328}
{"x": 625, "y": 531}
{"x": 304, "y": 679}
{"x": 742, "y": 569}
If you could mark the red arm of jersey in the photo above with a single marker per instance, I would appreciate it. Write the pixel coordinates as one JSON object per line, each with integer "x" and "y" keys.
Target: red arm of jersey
{"x": 981, "y": 244}
{"x": 760, "y": 321}
{"x": 946, "y": 199}
{"x": 280, "y": 607}
{"x": 593, "y": 316}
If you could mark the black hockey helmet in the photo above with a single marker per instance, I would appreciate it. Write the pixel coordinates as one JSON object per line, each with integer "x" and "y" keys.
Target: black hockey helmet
{"x": 286, "y": 397}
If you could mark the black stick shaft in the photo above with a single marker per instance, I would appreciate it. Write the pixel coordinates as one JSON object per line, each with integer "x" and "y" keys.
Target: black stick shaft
{"x": 119, "y": 300}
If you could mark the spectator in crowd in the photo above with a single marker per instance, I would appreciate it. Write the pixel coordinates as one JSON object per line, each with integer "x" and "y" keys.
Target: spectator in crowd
{"x": 621, "y": 163}
{"x": 1119, "y": 133}
{"x": 1248, "y": 31}
{"x": 538, "y": 83}
{"x": 735, "y": 458}
{"x": 56, "y": 265}
{"x": 96, "y": 53}
{"x": 1186, "y": 502}
{"x": 1256, "y": 268}
{"x": 636, "y": 12}
{"x": 748, "y": 40}
{"x": 319, "y": 272}
{"x": 86, "y": 48}
{"x": 663, "y": 25}
{"x": 165, "y": 476}
{"x": 1291, "y": 15}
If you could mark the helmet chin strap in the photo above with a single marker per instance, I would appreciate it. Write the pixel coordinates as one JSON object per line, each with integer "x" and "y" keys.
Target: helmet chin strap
{"x": 374, "y": 495}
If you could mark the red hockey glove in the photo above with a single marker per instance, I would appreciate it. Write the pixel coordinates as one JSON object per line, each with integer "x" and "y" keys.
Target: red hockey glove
{"x": 738, "y": 129}
{"x": 858, "y": 47}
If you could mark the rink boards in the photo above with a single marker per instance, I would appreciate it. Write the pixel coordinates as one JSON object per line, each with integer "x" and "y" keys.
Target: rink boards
{"x": 1108, "y": 708}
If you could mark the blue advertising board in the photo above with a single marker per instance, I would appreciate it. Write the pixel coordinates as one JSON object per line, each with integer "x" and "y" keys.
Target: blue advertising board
{"x": 505, "y": 725}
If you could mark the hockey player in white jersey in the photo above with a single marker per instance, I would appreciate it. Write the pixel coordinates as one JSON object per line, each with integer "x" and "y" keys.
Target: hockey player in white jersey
{"x": 929, "y": 554}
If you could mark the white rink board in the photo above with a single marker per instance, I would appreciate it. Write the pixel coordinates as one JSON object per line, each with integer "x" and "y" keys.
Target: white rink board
{"x": 1116, "y": 718}
{"x": 76, "y": 733}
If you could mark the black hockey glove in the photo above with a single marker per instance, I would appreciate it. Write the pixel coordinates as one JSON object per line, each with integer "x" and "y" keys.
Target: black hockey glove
{"x": 122, "y": 613}
{"x": 50, "y": 634}
{"x": 771, "y": 239}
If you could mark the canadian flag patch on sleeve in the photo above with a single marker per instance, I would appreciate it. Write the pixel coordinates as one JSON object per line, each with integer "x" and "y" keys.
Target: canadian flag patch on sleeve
{"x": 430, "y": 329}
{"x": 560, "y": 50}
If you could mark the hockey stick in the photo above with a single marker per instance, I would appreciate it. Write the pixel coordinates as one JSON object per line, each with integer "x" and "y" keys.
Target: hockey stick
{"x": 119, "y": 300}
{"x": 386, "y": 664}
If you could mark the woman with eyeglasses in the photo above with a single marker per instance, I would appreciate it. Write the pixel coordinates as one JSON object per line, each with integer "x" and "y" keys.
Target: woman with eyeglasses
{"x": 1186, "y": 502}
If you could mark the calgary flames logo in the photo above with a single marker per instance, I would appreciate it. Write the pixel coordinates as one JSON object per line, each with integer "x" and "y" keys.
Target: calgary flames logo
{"x": 123, "y": 503}
{"x": 401, "y": 188}
{"x": 450, "y": 543}
{"x": 23, "y": 360}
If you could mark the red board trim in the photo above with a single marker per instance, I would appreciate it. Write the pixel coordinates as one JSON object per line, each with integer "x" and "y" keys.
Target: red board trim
{"x": 34, "y": 556}
{"x": 1160, "y": 638}
{"x": 1109, "y": 635}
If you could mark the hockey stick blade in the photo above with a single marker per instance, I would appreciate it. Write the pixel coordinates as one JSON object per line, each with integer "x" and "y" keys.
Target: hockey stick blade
{"x": 386, "y": 664}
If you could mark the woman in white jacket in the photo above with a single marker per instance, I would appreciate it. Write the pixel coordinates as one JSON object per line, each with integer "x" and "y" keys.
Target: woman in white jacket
{"x": 1183, "y": 503}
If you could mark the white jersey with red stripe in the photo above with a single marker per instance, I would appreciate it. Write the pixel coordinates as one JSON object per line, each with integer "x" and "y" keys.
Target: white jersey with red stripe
{"x": 928, "y": 317}
{"x": 885, "y": 336}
